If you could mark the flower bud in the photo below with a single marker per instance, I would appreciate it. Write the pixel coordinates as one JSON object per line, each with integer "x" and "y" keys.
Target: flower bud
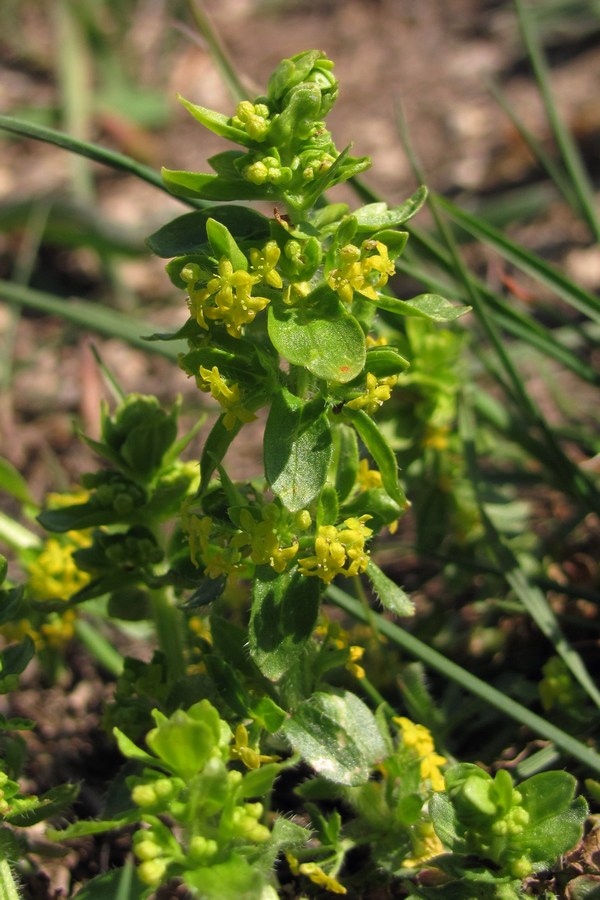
{"x": 151, "y": 872}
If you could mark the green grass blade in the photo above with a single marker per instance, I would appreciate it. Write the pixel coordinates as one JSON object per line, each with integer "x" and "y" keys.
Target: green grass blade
{"x": 16, "y": 536}
{"x": 532, "y": 598}
{"x": 108, "y": 322}
{"x": 217, "y": 50}
{"x": 91, "y": 151}
{"x": 545, "y": 160}
{"x": 437, "y": 661}
{"x": 99, "y": 647}
{"x": 524, "y": 259}
{"x": 424, "y": 253}
{"x": 571, "y": 157}
{"x": 511, "y": 320}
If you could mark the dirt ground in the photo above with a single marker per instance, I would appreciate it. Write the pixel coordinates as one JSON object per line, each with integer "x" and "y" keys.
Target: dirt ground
{"x": 430, "y": 61}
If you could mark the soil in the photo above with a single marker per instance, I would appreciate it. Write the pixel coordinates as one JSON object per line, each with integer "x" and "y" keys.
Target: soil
{"x": 429, "y": 63}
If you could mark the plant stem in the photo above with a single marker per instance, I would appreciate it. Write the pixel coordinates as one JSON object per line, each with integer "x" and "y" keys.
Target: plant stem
{"x": 168, "y": 631}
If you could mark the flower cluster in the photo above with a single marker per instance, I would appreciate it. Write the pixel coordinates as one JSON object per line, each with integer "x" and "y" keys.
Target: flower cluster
{"x": 225, "y": 298}
{"x": 227, "y": 396}
{"x": 263, "y": 540}
{"x": 332, "y": 635}
{"x": 339, "y": 550}
{"x": 316, "y": 874}
{"x": 419, "y": 739}
{"x": 377, "y": 391}
{"x": 365, "y": 269}
{"x": 262, "y": 536}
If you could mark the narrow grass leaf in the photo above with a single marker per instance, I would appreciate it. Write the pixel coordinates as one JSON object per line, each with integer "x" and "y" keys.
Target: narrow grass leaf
{"x": 437, "y": 661}
{"x": 524, "y": 259}
{"x": 109, "y": 322}
{"x": 530, "y": 596}
{"x": 571, "y": 157}
{"x": 110, "y": 158}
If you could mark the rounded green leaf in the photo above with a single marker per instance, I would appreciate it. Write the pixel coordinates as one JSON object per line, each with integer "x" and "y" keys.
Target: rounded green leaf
{"x": 297, "y": 449}
{"x": 284, "y": 614}
{"x": 187, "y": 234}
{"x": 325, "y": 339}
{"x": 337, "y": 734}
{"x": 425, "y": 306}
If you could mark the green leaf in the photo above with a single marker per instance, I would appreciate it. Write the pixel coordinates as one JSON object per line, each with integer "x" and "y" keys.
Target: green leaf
{"x": 259, "y": 782}
{"x": 375, "y": 216}
{"x": 80, "y": 516}
{"x": 284, "y": 613}
{"x": 212, "y": 187}
{"x": 445, "y": 821}
{"x": 95, "y": 826}
{"x": 345, "y": 459}
{"x": 556, "y": 817}
{"x": 223, "y": 243}
{"x": 13, "y": 483}
{"x": 390, "y": 595}
{"x": 187, "y": 234}
{"x": 328, "y": 507}
{"x": 54, "y": 802}
{"x": 380, "y": 450}
{"x": 425, "y": 306}
{"x": 267, "y": 714}
{"x": 132, "y": 751}
{"x": 376, "y": 503}
{"x": 218, "y": 123}
{"x": 15, "y": 658}
{"x": 234, "y": 879}
{"x": 385, "y": 361}
{"x": 338, "y": 736}
{"x": 297, "y": 449}
{"x": 12, "y": 603}
{"x": 184, "y": 742}
{"x": 118, "y": 884}
{"x": 214, "y": 449}
{"x": 323, "y": 338}
{"x": 225, "y": 163}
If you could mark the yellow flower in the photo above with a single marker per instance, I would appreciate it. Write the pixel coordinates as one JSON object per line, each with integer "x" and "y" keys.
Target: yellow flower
{"x": 426, "y": 845}
{"x": 207, "y": 547}
{"x": 377, "y": 391}
{"x": 320, "y": 877}
{"x": 59, "y": 629}
{"x": 365, "y": 270}
{"x": 419, "y": 739}
{"x": 339, "y": 550}
{"x": 263, "y": 263}
{"x": 352, "y": 665}
{"x": 367, "y": 478}
{"x": 264, "y": 541}
{"x": 226, "y": 395}
{"x": 241, "y": 750}
{"x": 17, "y": 630}
{"x": 371, "y": 341}
{"x": 436, "y": 437}
{"x": 53, "y": 575}
{"x": 227, "y": 298}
